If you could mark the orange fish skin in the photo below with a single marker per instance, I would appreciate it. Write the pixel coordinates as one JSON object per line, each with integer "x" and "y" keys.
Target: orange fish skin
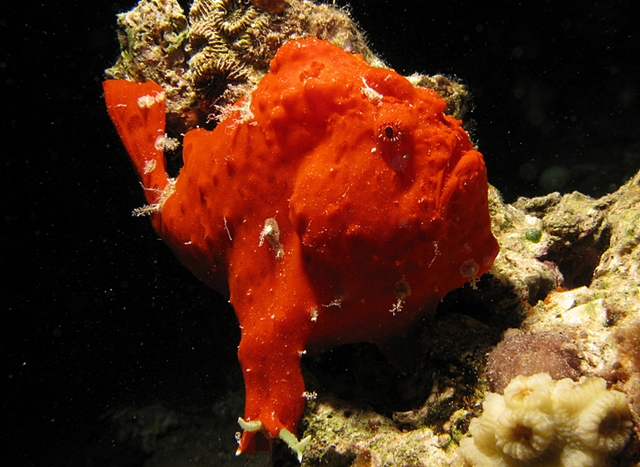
{"x": 341, "y": 208}
{"x": 138, "y": 113}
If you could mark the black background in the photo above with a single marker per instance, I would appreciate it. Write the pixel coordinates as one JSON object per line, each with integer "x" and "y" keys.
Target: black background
{"x": 96, "y": 313}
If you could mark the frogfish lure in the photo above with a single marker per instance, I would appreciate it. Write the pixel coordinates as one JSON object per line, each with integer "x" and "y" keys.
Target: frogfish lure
{"x": 336, "y": 204}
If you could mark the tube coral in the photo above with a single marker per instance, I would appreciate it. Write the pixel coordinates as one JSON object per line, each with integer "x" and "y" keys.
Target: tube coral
{"x": 539, "y": 422}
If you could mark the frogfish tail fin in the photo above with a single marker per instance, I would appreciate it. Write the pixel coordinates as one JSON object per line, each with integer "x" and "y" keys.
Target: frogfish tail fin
{"x": 137, "y": 110}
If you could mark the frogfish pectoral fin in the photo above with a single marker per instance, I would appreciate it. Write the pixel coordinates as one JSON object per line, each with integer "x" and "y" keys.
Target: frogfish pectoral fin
{"x": 275, "y": 392}
{"x": 137, "y": 110}
{"x": 253, "y": 438}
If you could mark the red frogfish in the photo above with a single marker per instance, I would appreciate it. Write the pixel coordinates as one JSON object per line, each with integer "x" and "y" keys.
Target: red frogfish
{"x": 334, "y": 204}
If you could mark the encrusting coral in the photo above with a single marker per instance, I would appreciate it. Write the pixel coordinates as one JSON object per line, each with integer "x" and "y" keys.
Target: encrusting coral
{"x": 231, "y": 43}
{"x": 540, "y": 422}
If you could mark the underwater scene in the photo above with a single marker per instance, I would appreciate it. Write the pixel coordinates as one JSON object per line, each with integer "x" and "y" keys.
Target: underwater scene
{"x": 320, "y": 233}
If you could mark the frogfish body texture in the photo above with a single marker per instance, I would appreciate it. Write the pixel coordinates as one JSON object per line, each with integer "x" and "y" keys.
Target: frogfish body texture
{"x": 338, "y": 205}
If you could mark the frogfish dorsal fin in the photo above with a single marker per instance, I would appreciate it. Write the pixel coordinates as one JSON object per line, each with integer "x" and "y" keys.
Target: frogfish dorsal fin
{"x": 138, "y": 113}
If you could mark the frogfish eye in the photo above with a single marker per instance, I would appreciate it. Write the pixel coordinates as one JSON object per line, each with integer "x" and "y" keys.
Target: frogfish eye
{"x": 389, "y": 132}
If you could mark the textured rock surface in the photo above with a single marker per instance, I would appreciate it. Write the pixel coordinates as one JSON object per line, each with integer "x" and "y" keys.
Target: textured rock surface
{"x": 208, "y": 59}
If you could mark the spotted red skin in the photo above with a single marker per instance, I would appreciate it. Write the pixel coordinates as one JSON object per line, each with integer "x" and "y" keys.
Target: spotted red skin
{"x": 380, "y": 200}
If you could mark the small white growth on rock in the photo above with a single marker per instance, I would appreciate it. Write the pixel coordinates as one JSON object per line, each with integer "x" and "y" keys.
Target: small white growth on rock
{"x": 149, "y": 209}
{"x": 374, "y": 96}
{"x": 144, "y": 102}
{"x": 314, "y": 314}
{"x": 335, "y": 302}
{"x": 149, "y": 166}
{"x": 470, "y": 269}
{"x": 310, "y": 396}
{"x": 271, "y": 232}
{"x": 226, "y": 228}
{"x": 403, "y": 290}
{"x": 165, "y": 143}
{"x": 240, "y": 111}
{"x": 436, "y": 253}
{"x": 397, "y": 307}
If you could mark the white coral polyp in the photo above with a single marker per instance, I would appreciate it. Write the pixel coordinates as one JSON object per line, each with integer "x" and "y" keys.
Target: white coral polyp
{"x": 483, "y": 429}
{"x": 606, "y": 423}
{"x": 572, "y": 456}
{"x": 523, "y": 434}
{"x": 571, "y": 397}
{"x": 478, "y": 457}
{"x": 483, "y": 434}
{"x": 530, "y": 392}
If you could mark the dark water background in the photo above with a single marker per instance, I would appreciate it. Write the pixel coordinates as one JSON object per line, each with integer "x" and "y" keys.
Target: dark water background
{"x": 96, "y": 313}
